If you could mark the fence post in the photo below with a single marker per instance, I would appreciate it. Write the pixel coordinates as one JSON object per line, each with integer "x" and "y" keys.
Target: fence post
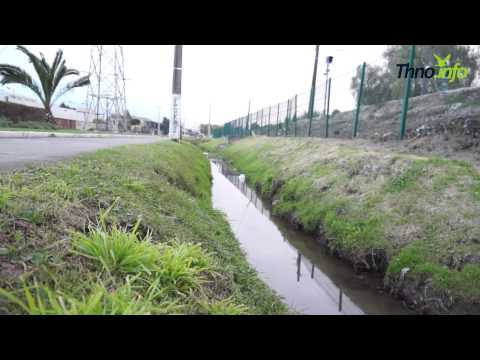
{"x": 261, "y": 124}
{"x": 328, "y": 106}
{"x": 269, "y": 113}
{"x": 295, "y": 118}
{"x": 249, "y": 120}
{"x": 340, "y": 300}
{"x": 286, "y": 118}
{"x": 278, "y": 115}
{"x": 406, "y": 93}
{"x": 359, "y": 101}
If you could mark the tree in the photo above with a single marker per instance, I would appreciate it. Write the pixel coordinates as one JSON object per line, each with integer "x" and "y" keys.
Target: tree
{"x": 164, "y": 126}
{"x": 382, "y": 82}
{"x": 375, "y": 89}
{"x": 49, "y": 76}
{"x": 204, "y": 128}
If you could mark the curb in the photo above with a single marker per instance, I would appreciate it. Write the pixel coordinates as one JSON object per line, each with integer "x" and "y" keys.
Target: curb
{"x": 35, "y": 134}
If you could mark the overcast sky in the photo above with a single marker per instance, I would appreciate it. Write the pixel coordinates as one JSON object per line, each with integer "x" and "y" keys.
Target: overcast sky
{"x": 225, "y": 76}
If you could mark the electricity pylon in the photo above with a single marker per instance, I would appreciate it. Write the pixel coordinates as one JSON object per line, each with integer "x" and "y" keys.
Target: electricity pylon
{"x": 106, "y": 93}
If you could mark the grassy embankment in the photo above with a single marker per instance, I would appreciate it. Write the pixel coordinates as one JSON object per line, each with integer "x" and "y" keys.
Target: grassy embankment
{"x": 128, "y": 230}
{"x": 421, "y": 213}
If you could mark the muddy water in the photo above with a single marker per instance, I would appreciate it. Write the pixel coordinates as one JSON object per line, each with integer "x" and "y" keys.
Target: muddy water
{"x": 292, "y": 263}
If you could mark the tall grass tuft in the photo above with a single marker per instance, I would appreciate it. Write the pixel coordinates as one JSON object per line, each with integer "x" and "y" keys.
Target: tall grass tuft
{"x": 224, "y": 307}
{"x": 181, "y": 267}
{"x": 118, "y": 250}
{"x": 127, "y": 299}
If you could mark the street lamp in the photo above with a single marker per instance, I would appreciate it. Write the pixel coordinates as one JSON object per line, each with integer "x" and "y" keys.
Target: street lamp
{"x": 329, "y": 60}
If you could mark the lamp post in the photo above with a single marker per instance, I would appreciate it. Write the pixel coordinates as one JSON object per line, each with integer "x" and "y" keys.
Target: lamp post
{"x": 329, "y": 60}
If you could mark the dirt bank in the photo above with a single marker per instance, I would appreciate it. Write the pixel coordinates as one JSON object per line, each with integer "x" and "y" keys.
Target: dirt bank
{"x": 410, "y": 217}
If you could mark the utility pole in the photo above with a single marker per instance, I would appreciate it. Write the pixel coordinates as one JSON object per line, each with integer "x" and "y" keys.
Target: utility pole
{"x": 175, "y": 132}
{"x": 312, "y": 91}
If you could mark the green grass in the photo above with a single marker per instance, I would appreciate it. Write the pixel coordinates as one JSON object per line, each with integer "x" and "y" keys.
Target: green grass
{"x": 129, "y": 230}
{"x": 453, "y": 99}
{"x": 34, "y": 126}
{"x": 408, "y": 179}
{"x": 125, "y": 300}
{"x": 117, "y": 250}
{"x": 56, "y": 130}
{"x": 224, "y": 307}
{"x": 417, "y": 258}
{"x": 418, "y": 210}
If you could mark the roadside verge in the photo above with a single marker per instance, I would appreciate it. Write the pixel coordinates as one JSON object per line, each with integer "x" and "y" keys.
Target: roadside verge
{"x": 129, "y": 230}
{"x": 46, "y": 134}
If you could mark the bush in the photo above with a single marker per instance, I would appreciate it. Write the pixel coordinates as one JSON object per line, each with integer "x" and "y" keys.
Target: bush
{"x": 4, "y": 122}
{"x": 7, "y": 123}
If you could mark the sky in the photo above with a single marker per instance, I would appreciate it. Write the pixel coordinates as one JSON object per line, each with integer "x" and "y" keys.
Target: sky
{"x": 225, "y": 77}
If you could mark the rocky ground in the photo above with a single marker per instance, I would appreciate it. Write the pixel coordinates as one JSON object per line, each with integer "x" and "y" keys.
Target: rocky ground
{"x": 444, "y": 123}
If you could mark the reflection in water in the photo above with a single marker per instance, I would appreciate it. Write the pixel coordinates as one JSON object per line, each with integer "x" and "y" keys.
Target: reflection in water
{"x": 299, "y": 261}
{"x": 276, "y": 251}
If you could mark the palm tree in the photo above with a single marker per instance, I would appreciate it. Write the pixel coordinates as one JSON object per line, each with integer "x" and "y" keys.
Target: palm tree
{"x": 50, "y": 77}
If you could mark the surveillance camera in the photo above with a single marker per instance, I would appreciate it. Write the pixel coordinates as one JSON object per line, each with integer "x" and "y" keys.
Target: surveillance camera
{"x": 329, "y": 59}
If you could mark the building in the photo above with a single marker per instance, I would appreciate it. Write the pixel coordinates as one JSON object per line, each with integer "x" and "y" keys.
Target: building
{"x": 142, "y": 125}
{"x": 21, "y": 108}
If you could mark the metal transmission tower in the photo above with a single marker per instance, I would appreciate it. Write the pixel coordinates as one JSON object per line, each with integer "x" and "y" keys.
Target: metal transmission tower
{"x": 106, "y": 93}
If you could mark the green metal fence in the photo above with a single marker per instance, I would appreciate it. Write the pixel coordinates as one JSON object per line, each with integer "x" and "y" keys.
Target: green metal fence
{"x": 311, "y": 113}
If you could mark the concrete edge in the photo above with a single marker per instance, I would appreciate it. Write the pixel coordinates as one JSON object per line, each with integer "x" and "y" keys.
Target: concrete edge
{"x": 46, "y": 134}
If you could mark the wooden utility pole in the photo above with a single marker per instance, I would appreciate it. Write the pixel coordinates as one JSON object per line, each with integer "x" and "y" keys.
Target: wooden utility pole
{"x": 312, "y": 91}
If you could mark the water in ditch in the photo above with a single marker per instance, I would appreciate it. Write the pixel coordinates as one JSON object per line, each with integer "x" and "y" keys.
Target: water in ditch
{"x": 292, "y": 263}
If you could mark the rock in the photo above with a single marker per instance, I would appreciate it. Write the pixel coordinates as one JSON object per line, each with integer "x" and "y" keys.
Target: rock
{"x": 386, "y": 136}
{"x": 350, "y": 190}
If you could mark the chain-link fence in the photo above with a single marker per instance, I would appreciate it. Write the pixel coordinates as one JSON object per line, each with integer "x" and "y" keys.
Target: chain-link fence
{"x": 381, "y": 113}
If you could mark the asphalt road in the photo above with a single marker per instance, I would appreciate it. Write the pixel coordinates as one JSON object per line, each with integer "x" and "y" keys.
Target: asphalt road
{"x": 20, "y": 152}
